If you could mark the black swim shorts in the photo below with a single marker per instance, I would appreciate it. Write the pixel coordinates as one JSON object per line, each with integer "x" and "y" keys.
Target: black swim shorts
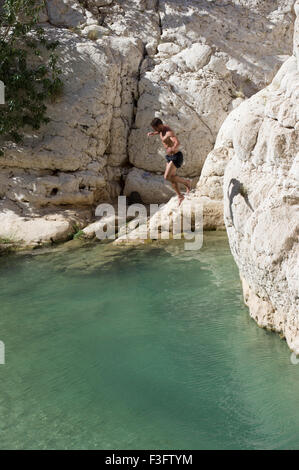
{"x": 177, "y": 159}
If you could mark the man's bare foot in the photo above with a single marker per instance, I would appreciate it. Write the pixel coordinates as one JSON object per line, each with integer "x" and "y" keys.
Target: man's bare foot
{"x": 188, "y": 185}
{"x": 181, "y": 198}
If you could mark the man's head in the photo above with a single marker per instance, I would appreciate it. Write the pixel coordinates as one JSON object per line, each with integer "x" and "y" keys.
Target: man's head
{"x": 157, "y": 124}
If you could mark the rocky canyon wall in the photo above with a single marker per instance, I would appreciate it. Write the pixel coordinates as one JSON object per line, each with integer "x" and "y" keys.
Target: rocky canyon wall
{"x": 190, "y": 63}
{"x": 261, "y": 201}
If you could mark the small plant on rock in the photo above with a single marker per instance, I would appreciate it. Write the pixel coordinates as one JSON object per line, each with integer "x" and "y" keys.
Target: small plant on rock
{"x": 28, "y": 68}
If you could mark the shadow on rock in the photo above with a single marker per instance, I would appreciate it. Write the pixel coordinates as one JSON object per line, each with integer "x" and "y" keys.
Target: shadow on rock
{"x": 236, "y": 188}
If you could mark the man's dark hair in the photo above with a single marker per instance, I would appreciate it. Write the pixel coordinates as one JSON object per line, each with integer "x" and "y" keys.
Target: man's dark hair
{"x": 156, "y": 122}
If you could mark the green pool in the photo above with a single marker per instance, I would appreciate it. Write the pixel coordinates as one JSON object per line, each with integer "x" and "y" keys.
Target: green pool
{"x": 139, "y": 348}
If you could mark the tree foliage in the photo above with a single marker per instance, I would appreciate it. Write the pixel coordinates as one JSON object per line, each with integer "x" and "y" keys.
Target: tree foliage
{"x": 28, "y": 68}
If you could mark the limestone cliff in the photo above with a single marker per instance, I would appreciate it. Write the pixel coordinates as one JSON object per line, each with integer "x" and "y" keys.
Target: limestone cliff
{"x": 261, "y": 201}
{"x": 124, "y": 61}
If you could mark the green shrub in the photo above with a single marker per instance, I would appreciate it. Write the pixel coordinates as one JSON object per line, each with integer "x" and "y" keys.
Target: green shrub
{"x": 28, "y": 68}
{"x": 6, "y": 241}
{"x": 79, "y": 235}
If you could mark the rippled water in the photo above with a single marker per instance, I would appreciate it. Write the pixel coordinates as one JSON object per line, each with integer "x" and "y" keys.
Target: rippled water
{"x": 139, "y": 348}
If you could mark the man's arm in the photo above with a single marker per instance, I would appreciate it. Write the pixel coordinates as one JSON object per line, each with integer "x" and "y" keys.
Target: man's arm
{"x": 149, "y": 134}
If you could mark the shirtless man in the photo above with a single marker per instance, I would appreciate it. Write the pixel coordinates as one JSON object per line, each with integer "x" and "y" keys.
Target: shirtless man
{"x": 174, "y": 157}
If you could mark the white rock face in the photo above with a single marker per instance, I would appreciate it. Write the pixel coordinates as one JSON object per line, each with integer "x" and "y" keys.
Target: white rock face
{"x": 125, "y": 61}
{"x": 65, "y": 12}
{"x": 207, "y": 57}
{"x": 180, "y": 97}
{"x": 261, "y": 201}
{"x": 95, "y": 112}
{"x": 166, "y": 222}
{"x": 74, "y": 160}
{"x": 235, "y": 27}
{"x": 33, "y": 229}
{"x": 209, "y": 189}
{"x": 151, "y": 188}
{"x": 134, "y": 18}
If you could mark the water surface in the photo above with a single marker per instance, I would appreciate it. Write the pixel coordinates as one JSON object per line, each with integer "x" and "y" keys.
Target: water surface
{"x": 139, "y": 348}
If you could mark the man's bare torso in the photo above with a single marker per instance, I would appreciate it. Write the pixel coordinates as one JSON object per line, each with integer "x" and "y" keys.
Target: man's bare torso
{"x": 165, "y": 138}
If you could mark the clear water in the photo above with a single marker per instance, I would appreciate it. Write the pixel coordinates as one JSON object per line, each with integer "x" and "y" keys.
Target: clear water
{"x": 139, "y": 348}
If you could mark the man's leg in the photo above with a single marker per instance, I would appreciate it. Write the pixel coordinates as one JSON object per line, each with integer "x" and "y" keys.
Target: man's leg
{"x": 169, "y": 176}
{"x": 178, "y": 179}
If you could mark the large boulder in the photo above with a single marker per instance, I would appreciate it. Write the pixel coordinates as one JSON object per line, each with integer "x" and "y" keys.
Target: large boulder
{"x": 205, "y": 64}
{"x": 30, "y": 228}
{"x": 151, "y": 188}
{"x": 68, "y": 13}
{"x": 261, "y": 202}
{"x": 209, "y": 189}
{"x": 129, "y": 18}
{"x": 71, "y": 161}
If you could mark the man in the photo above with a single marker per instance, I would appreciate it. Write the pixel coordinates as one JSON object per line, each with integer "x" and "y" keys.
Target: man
{"x": 173, "y": 157}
